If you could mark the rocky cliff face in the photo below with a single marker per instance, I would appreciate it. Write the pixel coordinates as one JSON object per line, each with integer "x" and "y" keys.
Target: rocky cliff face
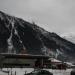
{"x": 19, "y": 36}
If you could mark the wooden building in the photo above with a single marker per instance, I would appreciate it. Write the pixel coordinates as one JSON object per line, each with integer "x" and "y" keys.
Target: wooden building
{"x": 23, "y": 60}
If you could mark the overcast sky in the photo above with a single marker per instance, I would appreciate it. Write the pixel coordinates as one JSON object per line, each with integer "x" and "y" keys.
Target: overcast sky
{"x": 54, "y": 15}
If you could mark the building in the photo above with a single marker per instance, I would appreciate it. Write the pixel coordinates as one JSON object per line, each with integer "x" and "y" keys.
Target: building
{"x": 23, "y": 60}
{"x": 57, "y": 64}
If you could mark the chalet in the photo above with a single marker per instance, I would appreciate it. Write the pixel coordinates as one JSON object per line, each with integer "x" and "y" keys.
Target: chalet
{"x": 57, "y": 64}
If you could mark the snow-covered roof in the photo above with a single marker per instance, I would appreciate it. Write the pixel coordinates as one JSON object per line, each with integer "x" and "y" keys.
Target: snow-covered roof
{"x": 68, "y": 63}
{"x": 55, "y": 60}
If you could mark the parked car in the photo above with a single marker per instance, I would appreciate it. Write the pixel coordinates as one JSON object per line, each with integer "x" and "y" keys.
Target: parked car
{"x": 40, "y": 72}
{"x": 73, "y": 72}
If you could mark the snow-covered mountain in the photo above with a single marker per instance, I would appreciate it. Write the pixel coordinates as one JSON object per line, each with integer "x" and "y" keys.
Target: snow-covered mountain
{"x": 69, "y": 36}
{"x": 19, "y": 36}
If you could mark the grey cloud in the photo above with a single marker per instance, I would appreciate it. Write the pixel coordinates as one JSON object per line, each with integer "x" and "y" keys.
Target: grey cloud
{"x": 53, "y": 15}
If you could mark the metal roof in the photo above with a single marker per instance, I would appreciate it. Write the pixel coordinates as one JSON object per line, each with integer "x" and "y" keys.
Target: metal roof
{"x": 24, "y": 56}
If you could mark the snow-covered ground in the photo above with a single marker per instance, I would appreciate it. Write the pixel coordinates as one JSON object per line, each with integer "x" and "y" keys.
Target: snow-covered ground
{"x": 21, "y": 71}
{"x": 60, "y": 72}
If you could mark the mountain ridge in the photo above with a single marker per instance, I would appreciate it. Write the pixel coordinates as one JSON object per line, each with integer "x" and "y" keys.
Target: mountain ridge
{"x": 70, "y": 37}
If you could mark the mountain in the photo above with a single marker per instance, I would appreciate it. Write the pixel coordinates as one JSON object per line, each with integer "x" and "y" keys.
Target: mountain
{"x": 19, "y": 36}
{"x": 69, "y": 37}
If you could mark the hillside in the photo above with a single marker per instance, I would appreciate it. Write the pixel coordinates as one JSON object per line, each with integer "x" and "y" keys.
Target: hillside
{"x": 19, "y": 36}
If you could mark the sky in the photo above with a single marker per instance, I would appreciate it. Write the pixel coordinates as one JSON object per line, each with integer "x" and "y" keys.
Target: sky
{"x": 53, "y": 15}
